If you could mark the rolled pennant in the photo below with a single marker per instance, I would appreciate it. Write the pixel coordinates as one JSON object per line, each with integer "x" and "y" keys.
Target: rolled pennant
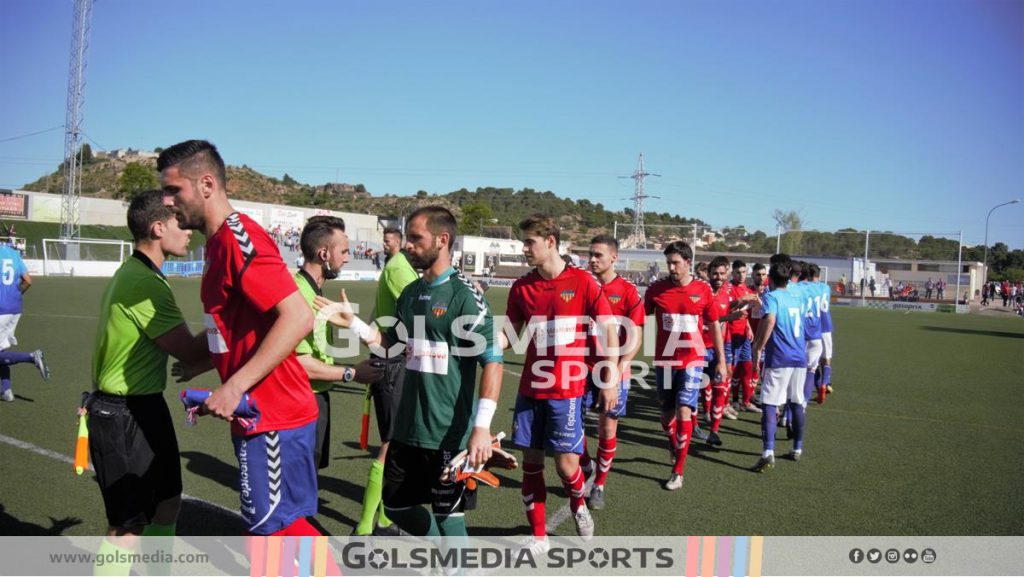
{"x": 246, "y": 413}
{"x": 82, "y": 445}
{"x": 364, "y": 427}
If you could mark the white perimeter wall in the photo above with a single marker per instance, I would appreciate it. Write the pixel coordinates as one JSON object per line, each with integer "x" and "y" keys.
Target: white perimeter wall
{"x": 45, "y": 207}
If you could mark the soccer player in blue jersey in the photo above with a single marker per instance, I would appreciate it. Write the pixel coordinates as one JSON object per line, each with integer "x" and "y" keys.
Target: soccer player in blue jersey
{"x": 782, "y": 338}
{"x": 14, "y": 281}
{"x": 824, "y": 375}
{"x": 812, "y": 322}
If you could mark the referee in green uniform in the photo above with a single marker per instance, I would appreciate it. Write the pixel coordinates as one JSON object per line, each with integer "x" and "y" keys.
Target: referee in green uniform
{"x": 325, "y": 251}
{"x": 131, "y": 436}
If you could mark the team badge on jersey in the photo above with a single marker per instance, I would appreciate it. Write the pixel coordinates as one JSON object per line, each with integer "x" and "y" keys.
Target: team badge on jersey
{"x": 695, "y": 298}
{"x": 614, "y": 299}
{"x": 439, "y": 309}
{"x": 568, "y": 295}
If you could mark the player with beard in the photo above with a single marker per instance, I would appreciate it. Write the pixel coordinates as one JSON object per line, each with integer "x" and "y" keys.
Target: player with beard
{"x": 446, "y": 329}
{"x": 556, "y": 304}
{"x": 255, "y": 316}
{"x": 726, "y": 304}
{"x": 682, "y": 305}
{"x": 628, "y": 308}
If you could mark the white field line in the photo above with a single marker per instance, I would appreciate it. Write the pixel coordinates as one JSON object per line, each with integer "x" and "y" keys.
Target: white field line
{"x": 70, "y": 461}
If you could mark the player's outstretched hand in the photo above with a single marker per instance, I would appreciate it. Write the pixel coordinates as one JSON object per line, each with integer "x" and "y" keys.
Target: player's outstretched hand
{"x": 479, "y": 448}
{"x": 338, "y": 313}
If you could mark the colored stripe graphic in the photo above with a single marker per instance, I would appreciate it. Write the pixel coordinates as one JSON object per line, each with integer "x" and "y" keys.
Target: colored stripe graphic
{"x": 756, "y": 556}
{"x": 273, "y": 556}
{"x": 320, "y": 564}
{"x": 257, "y": 555}
{"x": 739, "y": 557}
{"x": 707, "y": 557}
{"x": 305, "y": 556}
{"x": 724, "y": 553}
{"x": 288, "y": 557}
{"x": 692, "y": 555}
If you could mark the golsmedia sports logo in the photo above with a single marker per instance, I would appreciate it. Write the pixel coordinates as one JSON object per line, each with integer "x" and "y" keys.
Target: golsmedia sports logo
{"x": 360, "y": 555}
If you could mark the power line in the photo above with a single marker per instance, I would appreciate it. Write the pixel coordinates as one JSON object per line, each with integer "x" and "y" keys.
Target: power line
{"x": 12, "y": 138}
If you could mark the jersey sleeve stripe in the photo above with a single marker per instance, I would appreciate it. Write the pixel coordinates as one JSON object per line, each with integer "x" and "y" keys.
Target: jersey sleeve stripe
{"x": 244, "y": 242}
{"x": 478, "y": 297}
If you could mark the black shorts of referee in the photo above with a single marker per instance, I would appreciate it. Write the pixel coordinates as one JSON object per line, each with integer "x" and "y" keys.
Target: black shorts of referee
{"x": 387, "y": 394}
{"x": 135, "y": 453}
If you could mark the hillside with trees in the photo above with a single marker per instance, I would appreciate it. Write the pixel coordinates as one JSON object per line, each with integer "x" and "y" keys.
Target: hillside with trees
{"x": 496, "y": 211}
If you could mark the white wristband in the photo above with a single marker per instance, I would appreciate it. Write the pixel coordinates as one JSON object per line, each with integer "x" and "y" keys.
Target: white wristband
{"x": 485, "y": 412}
{"x": 361, "y": 329}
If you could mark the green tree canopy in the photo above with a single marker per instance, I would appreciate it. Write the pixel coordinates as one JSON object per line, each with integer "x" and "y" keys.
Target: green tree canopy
{"x": 136, "y": 178}
{"x": 475, "y": 216}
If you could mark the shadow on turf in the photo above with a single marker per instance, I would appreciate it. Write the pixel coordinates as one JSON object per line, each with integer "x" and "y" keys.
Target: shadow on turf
{"x": 197, "y": 519}
{"x": 10, "y": 525}
{"x": 498, "y": 531}
{"x": 961, "y": 331}
{"x": 211, "y": 468}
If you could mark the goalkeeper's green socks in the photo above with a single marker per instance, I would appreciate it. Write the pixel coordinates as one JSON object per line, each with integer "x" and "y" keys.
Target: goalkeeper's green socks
{"x": 416, "y": 521}
{"x": 112, "y": 560}
{"x": 453, "y": 526}
{"x": 372, "y": 500}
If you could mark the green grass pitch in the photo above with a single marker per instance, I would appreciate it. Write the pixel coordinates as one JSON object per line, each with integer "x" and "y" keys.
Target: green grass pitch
{"x": 923, "y": 436}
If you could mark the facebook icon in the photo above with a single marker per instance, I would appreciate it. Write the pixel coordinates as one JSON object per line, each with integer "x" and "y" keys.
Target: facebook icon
{"x": 856, "y": 555}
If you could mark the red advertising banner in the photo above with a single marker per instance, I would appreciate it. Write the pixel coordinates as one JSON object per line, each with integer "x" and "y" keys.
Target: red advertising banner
{"x": 13, "y": 204}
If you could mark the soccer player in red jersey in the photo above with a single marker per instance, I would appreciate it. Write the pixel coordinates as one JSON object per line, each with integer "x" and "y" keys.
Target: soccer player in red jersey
{"x": 628, "y": 308}
{"x": 681, "y": 305}
{"x": 760, "y": 280}
{"x": 718, "y": 274}
{"x": 255, "y": 317}
{"x": 556, "y": 303}
{"x": 740, "y": 337}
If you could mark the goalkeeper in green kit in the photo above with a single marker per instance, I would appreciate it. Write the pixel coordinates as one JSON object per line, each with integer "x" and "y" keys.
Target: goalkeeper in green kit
{"x": 445, "y": 327}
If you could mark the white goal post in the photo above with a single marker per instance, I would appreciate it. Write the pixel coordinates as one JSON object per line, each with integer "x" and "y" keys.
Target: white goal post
{"x": 84, "y": 256}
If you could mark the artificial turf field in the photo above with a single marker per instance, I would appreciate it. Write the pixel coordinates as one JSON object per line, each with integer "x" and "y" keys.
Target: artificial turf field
{"x": 923, "y": 436}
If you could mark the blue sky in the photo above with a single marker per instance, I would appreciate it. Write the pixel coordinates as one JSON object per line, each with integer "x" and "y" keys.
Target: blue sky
{"x": 903, "y": 116}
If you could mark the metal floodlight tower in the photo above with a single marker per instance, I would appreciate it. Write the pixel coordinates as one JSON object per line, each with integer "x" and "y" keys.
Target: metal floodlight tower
{"x": 638, "y": 176}
{"x": 69, "y": 214}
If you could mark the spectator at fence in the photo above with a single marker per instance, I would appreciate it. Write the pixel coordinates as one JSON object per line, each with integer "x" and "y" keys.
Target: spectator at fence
{"x": 929, "y": 286}
{"x": 940, "y": 289}
{"x": 872, "y": 286}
